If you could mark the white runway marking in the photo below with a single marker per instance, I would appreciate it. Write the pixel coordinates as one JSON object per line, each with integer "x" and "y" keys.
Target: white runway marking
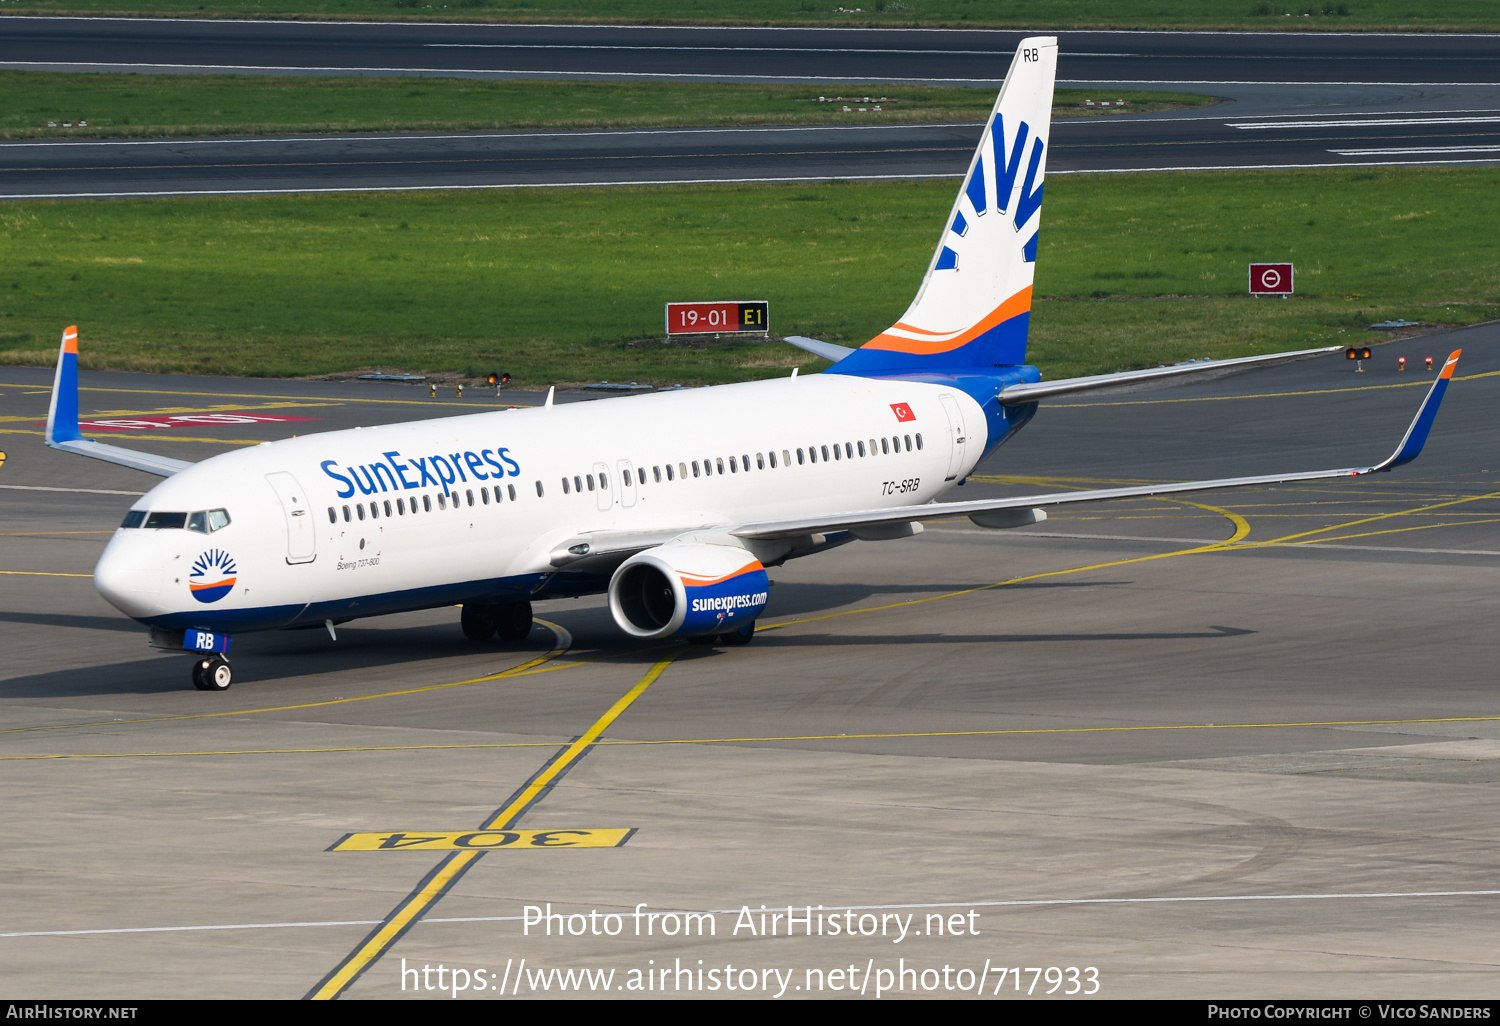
{"x": 1365, "y": 122}
{"x": 1392, "y": 151}
{"x": 84, "y": 491}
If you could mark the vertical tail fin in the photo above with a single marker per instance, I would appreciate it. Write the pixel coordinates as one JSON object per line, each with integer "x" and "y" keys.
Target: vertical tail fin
{"x": 62, "y": 414}
{"x": 972, "y": 310}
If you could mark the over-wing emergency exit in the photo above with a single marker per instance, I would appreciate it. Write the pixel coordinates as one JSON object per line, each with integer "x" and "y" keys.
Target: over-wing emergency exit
{"x": 674, "y": 504}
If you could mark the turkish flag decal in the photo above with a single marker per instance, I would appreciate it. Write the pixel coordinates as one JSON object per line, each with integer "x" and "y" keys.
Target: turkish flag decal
{"x": 903, "y": 412}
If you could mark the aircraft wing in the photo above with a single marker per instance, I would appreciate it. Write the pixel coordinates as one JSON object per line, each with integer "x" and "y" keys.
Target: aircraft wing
{"x": 1408, "y": 450}
{"x": 1026, "y": 393}
{"x": 62, "y": 421}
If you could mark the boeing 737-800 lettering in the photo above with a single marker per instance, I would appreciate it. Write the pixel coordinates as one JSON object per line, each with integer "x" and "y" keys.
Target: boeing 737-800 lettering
{"x": 674, "y": 504}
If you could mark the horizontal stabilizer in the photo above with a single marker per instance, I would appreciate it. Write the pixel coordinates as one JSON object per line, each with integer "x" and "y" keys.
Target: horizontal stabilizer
{"x": 62, "y": 421}
{"x": 161, "y": 466}
{"x": 1408, "y": 450}
{"x": 827, "y": 350}
{"x": 1015, "y": 395}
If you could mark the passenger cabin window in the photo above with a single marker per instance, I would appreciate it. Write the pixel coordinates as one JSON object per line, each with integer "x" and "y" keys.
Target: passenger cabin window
{"x": 919, "y": 439}
{"x": 837, "y": 454}
{"x": 567, "y": 490}
{"x": 656, "y": 473}
{"x": 539, "y": 490}
{"x": 641, "y": 474}
{"x": 359, "y": 508}
{"x": 484, "y": 494}
{"x": 590, "y": 479}
{"x": 333, "y": 516}
{"x": 427, "y": 504}
{"x": 695, "y": 468}
{"x": 347, "y": 516}
{"x": 908, "y": 443}
{"x": 773, "y": 459}
{"x": 512, "y": 490}
{"x": 885, "y": 447}
{"x": 374, "y": 511}
{"x": 861, "y": 447}
{"x": 401, "y": 507}
{"x": 137, "y": 517}
{"x": 603, "y": 481}
{"x": 786, "y": 458}
{"x": 799, "y": 457}
{"x": 760, "y": 460}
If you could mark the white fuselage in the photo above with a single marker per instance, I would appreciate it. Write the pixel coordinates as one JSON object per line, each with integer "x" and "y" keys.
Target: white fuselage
{"x": 305, "y": 548}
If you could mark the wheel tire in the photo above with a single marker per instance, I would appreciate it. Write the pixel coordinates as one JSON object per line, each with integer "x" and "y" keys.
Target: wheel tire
{"x": 200, "y": 674}
{"x": 476, "y": 622}
{"x": 218, "y": 675}
{"x": 512, "y": 620}
{"x": 741, "y": 636}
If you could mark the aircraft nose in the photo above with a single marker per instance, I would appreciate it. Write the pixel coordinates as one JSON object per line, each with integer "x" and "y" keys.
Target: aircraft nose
{"x": 129, "y": 575}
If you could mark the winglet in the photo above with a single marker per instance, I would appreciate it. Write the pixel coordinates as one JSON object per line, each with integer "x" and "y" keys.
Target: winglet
{"x": 1416, "y": 435}
{"x": 62, "y": 414}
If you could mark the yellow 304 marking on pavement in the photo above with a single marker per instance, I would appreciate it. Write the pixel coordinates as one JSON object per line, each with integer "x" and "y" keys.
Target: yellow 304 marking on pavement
{"x": 447, "y": 872}
{"x": 484, "y": 840}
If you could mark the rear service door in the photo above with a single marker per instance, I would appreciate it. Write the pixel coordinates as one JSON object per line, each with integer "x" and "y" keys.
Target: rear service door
{"x": 627, "y": 483}
{"x": 301, "y": 539}
{"x": 955, "y": 434}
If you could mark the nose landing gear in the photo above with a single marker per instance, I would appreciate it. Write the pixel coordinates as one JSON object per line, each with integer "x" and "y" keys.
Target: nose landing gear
{"x": 212, "y": 673}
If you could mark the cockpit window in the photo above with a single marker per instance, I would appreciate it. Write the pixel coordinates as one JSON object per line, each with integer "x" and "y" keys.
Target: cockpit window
{"x": 167, "y": 520}
{"x": 204, "y": 522}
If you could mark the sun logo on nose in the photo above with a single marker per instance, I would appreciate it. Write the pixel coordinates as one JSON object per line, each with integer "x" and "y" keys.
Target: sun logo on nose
{"x": 212, "y": 576}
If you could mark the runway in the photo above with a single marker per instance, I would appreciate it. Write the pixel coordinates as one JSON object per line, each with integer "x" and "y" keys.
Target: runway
{"x": 488, "y": 160}
{"x": 1244, "y": 745}
{"x": 977, "y": 57}
{"x": 1291, "y": 101}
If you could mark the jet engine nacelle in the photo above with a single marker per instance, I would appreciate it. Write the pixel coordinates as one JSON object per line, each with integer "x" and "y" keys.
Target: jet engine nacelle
{"x": 686, "y": 590}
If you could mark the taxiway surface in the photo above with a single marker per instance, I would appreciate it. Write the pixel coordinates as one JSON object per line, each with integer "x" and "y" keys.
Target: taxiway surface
{"x": 1243, "y": 745}
{"x": 1217, "y": 139}
{"x": 972, "y": 56}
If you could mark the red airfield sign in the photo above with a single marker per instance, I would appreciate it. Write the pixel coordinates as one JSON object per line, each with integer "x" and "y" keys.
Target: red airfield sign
{"x": 723, "y": 316}
{"x": 1270, "y": 279}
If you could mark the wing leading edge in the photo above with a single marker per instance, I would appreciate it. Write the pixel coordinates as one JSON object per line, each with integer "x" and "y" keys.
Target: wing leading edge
{"x": 62, "y": 421}
{"x": 1409, "y": 448}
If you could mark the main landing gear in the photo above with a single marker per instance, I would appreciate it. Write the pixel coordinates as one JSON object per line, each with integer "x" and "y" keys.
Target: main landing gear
{"x": 742, "y": 636}
{"x": 482, "y": 621}
{"x": 212, "y": 673}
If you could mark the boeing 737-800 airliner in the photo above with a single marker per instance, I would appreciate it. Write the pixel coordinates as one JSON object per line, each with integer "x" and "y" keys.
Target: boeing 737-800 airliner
{"x": 673, "y": 503}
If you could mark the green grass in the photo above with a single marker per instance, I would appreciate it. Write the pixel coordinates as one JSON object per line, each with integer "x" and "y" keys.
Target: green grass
{"x": 168, "y": 105}
{"x": 568, "y": 285}
{"x": 1333, "y": 15}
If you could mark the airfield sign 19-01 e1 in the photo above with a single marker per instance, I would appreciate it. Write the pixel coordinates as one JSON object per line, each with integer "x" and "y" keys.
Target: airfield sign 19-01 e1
{"x": 750, "y": 316}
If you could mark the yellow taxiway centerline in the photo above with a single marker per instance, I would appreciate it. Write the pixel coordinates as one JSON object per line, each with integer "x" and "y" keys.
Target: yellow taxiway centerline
{"x": 450, "y": 869}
